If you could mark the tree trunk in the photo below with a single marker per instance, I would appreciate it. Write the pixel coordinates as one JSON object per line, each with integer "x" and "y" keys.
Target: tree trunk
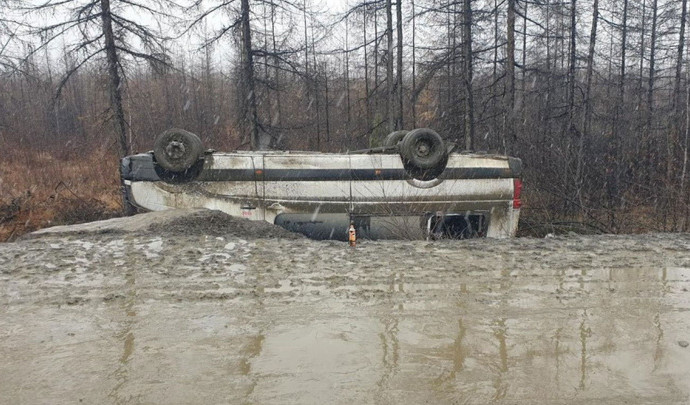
{"x": 308, "y": 114}
{"x": 251, "y": 114}
{"x": 686, "y": 144}
{"x": 613, "y": 154}
{"x": 315, "y": 81}
{"x": 450, "y": 29}
{"x": 390, "y": 100}
{"x": 572, "y": 65}
{"x": 267, "y": 76}
{"x": 586, "y": 120}
{"x": 306, "y": 40}
{"x": 510, "y": 71}
{"x": 328, "y": 120}
{"x": 367, "y": 106}
{"x": 570, "y": 178}
{"x": 278, "y": 120}
{"x": 456, "y": 119}
{"x": 643, "y": 38}
{"x": 523, "y": 77}
{"x": 469, "y": 74}
{"x": 115, "y": 82}
{"x": 652, "y": 67}
{"x": 376, "y": 65}
{"x": 414, "y": 65}
{"x": 399, "y": 77}
{"x": 674, "y": 135}
{"x": 651, "y": 149}
{"x": 209, "y": 106}
{"x": 347, "y": 82}
{"x": 494, "y": 80}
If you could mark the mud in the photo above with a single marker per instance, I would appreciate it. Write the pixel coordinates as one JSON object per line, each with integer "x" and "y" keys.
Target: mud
{"x": 142, "y": 317}
{"x": 173, "y": 223}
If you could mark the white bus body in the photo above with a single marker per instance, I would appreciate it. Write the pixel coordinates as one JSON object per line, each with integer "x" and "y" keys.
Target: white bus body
{"x": 319, "y": 194}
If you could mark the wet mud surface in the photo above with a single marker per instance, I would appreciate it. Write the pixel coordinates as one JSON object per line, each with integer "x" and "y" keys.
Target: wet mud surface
{"x": 191, "y": 318}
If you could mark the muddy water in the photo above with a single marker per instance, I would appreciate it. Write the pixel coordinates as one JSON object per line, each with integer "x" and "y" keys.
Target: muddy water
{"x": 194, "y": 319}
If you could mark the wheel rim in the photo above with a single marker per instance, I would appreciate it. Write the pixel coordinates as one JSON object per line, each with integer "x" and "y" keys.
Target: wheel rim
{"x": 175, "y": 150}
{"x": 423, "y": 148}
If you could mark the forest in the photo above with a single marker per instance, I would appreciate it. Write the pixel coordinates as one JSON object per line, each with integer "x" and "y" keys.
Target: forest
{"x": 592, "y": 95}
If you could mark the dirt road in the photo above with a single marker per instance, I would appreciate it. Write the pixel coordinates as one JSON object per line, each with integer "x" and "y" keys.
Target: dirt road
{"x": 183, "y": 317}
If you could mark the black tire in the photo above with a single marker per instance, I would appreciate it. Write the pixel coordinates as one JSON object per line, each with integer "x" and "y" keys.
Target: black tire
{"x": 177, "y": 150}
{"x": 394, "y": 138}
{"x": 423, "y": 149}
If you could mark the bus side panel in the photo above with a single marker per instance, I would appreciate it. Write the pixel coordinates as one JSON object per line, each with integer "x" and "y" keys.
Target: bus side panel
{"x": 308, "y": 190}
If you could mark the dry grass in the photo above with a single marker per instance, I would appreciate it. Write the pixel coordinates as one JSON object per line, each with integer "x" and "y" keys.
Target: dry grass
{"x": 543, "y": 214}
{"x": 38, "y": 190}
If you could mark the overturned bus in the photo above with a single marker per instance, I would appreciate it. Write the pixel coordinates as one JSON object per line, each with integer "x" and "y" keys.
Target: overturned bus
{"x": 415, "y": 186}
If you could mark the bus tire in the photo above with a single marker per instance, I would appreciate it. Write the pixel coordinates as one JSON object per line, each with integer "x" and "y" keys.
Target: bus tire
{"x": 177, "y": 150}
{"x": 423, "y": 149}
{"x": 394, "y": 138}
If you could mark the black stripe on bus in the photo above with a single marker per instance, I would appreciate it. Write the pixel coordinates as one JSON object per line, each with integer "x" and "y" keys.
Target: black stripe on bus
{"x": 344, "y": 174}
{"x": 138, "y": 169}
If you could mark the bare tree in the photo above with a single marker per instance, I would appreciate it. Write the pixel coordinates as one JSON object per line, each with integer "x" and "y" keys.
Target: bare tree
{"x": 468, "y": 74}
{"x": 104, "y": 28}
{"x": 390, "y": 100}
{"x": 399, "y": 73}
{"x": 674, "y": 135}
{"x": 8, "y": 30}
{"x": 587, "y": 116}
{"x": 613, "y": 155}
{"x": 652, "y": 67}
{"x": 280, "y": 55}
{"x": 414, "y": 67}
{"x": 510, "y": 72}
{"x": 248, "y": 78}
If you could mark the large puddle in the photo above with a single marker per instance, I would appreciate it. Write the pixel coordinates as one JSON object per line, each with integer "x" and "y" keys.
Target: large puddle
{"x": 145, "y": 320}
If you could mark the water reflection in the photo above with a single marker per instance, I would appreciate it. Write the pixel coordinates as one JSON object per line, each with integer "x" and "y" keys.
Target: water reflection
{"x": 585, "y": 333}
{"x": 390, "y": 344}
{"x": 458, "y": 349}
{"x": 501, "y": 387}
{"x": 484, "y": 329}
{"x": 581, "y": 279}
{"x": 254, "y": 343}
{"x": 557, "y": 355}
{"x": 122, "y": 374}
{"x": 592, "y": 332}
{"x": 500, "y": 329}
{"x": 390, "y": 350}
{"x": 250, "y": 350}
{"x": 542, "y": 335}
{"x": 659, "y": 349}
